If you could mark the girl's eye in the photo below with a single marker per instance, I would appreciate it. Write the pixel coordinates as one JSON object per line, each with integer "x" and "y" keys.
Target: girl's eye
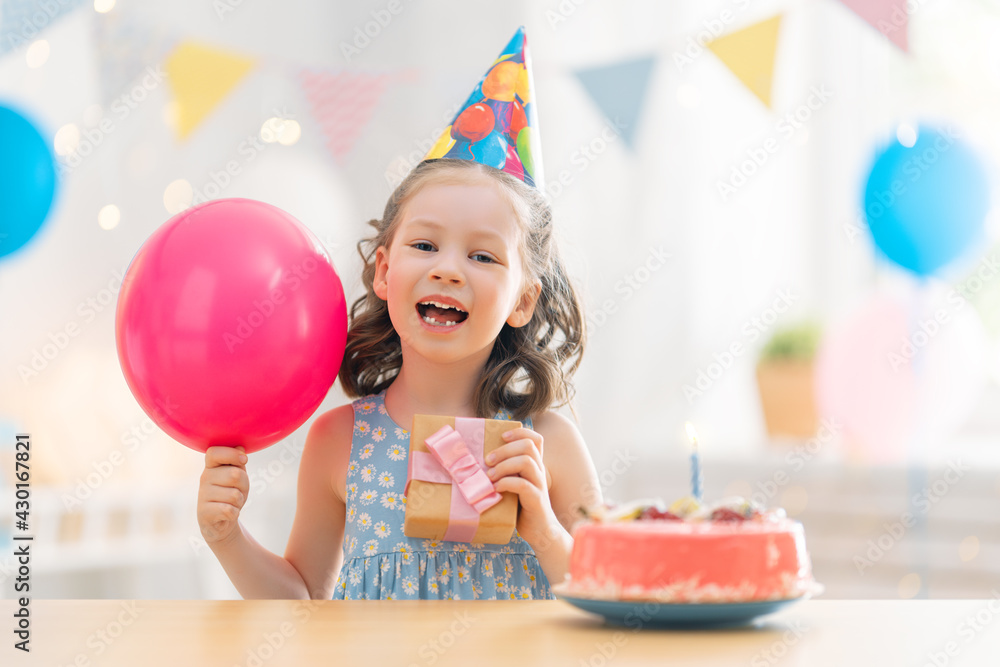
{"x": 422, "y": 245}
{"x": 485, "y": 259}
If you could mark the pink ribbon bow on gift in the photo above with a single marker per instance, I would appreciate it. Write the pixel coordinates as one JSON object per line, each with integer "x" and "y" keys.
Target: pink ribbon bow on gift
{"x": 456, "y": 458}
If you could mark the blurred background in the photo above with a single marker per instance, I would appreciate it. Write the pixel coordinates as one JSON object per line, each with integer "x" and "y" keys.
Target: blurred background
{"x": 781, "y": 215}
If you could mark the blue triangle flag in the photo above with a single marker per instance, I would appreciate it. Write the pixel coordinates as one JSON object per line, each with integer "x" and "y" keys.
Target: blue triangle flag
{"x": 619, "y": 91}
{"x": 22, "y": 21}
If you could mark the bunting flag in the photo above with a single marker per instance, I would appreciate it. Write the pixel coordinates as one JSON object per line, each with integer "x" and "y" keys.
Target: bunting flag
{"x": 889, "y": 17}
{"x": 23, "y": 21}
{"x": 749, "y": 54}
{"x": 619, "y": 91}
{"x": 201, "y": 77}
{"x": 343, "y": 102}
{"x": 127, "y": 48}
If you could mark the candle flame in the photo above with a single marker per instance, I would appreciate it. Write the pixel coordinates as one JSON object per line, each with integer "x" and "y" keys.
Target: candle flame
{"x": 693, "y": 434}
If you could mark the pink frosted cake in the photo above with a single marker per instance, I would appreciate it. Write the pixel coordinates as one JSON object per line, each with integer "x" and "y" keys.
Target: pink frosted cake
{"x": 731, "y": 552}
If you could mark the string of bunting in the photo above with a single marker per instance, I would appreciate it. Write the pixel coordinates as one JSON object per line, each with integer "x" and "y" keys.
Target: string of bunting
{"x": 344, "y": 100}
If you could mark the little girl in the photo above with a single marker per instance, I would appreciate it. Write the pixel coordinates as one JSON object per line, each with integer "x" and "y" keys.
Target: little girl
{"x": 468, "y": 313}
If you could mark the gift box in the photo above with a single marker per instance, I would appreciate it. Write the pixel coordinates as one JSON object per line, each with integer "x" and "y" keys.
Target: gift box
{"x": 446, "y": 470}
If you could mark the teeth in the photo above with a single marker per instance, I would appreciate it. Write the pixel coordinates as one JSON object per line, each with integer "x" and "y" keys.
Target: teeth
{"x": 441, "y": 305}
{"x": 431, "y": 320}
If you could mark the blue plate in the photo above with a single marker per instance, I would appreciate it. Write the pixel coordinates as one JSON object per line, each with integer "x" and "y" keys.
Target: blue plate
{"x": 639, "y": 614}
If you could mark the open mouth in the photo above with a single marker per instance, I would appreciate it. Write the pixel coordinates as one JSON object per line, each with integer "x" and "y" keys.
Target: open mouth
{"x": 441, "y": 314}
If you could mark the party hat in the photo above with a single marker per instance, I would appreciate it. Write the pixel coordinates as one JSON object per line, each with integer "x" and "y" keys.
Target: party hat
{"x": 497, "y": 126}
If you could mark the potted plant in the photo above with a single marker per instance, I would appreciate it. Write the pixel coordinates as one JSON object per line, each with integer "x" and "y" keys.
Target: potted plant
{"x": 785, "y": 382}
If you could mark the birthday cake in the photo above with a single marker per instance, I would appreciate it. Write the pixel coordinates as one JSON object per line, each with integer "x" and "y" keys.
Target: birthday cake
{"x": 732, "y": 551}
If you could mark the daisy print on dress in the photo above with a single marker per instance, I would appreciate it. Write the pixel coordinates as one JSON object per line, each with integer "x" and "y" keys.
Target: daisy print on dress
{"x": 361, "y": 428}
{"x": 371, "y": 548}
{"x": 365, "y": 520}
{"x": 391, "y": 501}
{"x": 368, "y": 473}
{"x": 405, "y": 552}
{"x": 382, "y": 529}
{"x": 402, "y": 434}
{"x": 397, "y": 453}
{"x": 386, "y": 480}
{"x": 366, "y": 407}
{"x": 366, "y": 451}
{"x": 410, "y": 586}
{"x": 378, "y": 434}
{"x": 368, "y": 496}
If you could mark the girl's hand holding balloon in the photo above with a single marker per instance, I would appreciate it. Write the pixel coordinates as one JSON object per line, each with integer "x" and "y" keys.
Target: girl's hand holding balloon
{"x": 518, "y": 467}
{"x": 222, "y": 493}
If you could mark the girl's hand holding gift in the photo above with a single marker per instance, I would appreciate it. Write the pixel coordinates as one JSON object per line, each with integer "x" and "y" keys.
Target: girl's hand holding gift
{"x": 519, "y": 467}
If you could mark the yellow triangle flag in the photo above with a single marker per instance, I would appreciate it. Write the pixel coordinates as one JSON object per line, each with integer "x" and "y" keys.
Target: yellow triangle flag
{"x": 749, "y": 54}
{"x": 201, "y": 77}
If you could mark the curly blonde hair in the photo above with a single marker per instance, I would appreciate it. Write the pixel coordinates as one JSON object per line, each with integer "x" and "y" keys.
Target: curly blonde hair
{"x": 530, "y": 367}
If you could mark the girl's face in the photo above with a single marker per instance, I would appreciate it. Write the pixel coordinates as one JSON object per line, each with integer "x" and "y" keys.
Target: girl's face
{"x": 452, "y": 274}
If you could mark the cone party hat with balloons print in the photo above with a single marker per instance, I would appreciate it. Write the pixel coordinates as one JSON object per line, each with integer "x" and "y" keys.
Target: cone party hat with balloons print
{"x": 497, "y": 126}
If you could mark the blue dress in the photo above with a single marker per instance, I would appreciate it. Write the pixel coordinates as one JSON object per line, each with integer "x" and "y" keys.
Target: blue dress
{"x": 381, "y": 563}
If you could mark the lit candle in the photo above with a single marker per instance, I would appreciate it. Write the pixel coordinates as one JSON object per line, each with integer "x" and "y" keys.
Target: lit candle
{"x": 696, "y": 480}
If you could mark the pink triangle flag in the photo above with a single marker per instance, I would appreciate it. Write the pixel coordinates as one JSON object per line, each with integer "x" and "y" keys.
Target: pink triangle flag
{"x": 889, "y": 17}
{"x": 343, "y": 102}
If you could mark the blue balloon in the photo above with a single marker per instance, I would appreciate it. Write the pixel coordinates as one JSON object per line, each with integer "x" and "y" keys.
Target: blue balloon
{"x": 27, "y": 180}
{"x": 460, "y": 151}
{"x": 491, "y": 150}
{"x": 925, "y": 204}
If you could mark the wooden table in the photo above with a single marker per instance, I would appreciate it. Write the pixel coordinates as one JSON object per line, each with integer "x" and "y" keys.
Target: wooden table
{"x": 374, "y": 634}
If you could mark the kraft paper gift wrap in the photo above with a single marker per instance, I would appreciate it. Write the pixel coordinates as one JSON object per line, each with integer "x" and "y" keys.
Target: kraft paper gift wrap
{"x": 437, "y": 509}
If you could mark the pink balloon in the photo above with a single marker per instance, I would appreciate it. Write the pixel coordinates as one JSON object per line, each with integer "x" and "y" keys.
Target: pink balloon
{"x": 231, "y": 325}
{"x": 513, "y": 165}
{"x": 858, "y": 387}
{"x": 903, "y": 375}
